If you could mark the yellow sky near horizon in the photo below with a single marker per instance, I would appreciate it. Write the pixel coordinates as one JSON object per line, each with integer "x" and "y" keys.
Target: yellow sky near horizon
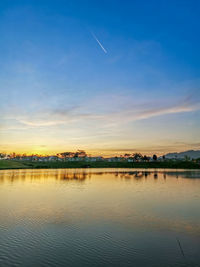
{"x": 105, "y": 152}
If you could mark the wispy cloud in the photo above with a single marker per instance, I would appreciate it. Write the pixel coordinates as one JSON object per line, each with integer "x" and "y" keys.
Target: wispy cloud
{"x": 102, "y": 119}
{"x": 55, "y": 117}
{"x": 187, "y": 105}
{"x": 100, "y": 44}
{"x": 163, "y": 111}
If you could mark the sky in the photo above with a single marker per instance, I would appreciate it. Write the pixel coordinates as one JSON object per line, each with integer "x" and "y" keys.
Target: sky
{"x": 108, "y": 76}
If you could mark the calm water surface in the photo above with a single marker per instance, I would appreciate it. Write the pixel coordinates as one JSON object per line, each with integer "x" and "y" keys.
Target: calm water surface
{"x": 99, "y": 217}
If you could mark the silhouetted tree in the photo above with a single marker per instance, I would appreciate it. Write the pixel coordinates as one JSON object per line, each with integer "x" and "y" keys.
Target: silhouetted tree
{"x": 66, "y": 154}
{"x": 187, "y": 158}
{"x": 80, "y": 154}
{"x": 145, "y": 158}
{"x": 155, "y": 157}
{"x": 137, "y": 156}
{"x": 127, "y": 155}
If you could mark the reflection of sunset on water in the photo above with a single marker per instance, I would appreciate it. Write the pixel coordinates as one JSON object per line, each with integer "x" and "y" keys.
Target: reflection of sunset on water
{"x": 82, "y": 174}
{"x": 143, "y": 202}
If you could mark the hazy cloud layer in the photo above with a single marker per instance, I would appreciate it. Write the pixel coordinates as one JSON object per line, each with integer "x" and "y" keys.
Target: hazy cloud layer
{"x": 64, "y": 116}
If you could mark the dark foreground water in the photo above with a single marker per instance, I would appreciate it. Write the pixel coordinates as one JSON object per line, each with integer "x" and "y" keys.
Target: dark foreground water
{"x": 99, "y": 217}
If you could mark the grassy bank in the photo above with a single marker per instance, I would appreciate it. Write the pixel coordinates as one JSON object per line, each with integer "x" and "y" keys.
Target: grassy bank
{"x": 8, "y": 164}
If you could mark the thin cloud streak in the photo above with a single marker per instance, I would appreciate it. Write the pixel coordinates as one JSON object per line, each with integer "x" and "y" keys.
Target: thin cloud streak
{"x": 164, "y": 111}
{"x": 94, "y": 36}
{"x": 64, "y": 116}
{"x": 185, "y": 106}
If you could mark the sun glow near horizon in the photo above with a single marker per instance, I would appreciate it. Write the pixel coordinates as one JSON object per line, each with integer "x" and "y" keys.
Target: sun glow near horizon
{"x": 130, "y": 89}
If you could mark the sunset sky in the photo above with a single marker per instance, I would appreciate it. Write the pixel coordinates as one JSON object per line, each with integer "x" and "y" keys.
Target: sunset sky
{"x": 105, "y": 76}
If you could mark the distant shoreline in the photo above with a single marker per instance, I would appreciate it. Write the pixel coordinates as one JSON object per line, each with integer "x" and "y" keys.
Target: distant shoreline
{"x": 11, "y": 164}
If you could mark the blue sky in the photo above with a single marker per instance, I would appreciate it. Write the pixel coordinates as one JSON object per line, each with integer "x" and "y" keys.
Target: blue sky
{"x": 60, "y": 90}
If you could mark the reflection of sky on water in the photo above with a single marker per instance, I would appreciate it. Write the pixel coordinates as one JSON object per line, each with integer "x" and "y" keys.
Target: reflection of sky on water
{"x": 81, "y": 175}
{"x": 159, "y": 205}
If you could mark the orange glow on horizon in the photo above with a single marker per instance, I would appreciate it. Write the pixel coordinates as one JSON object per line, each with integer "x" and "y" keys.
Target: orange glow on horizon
{"x": 90, "y": 153}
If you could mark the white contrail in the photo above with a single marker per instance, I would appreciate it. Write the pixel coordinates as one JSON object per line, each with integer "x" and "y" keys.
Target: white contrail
{"x": 104, "y": 50}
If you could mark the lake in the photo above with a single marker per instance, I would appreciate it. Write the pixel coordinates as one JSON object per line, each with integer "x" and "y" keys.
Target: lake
{"x": 99, "y": 217}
